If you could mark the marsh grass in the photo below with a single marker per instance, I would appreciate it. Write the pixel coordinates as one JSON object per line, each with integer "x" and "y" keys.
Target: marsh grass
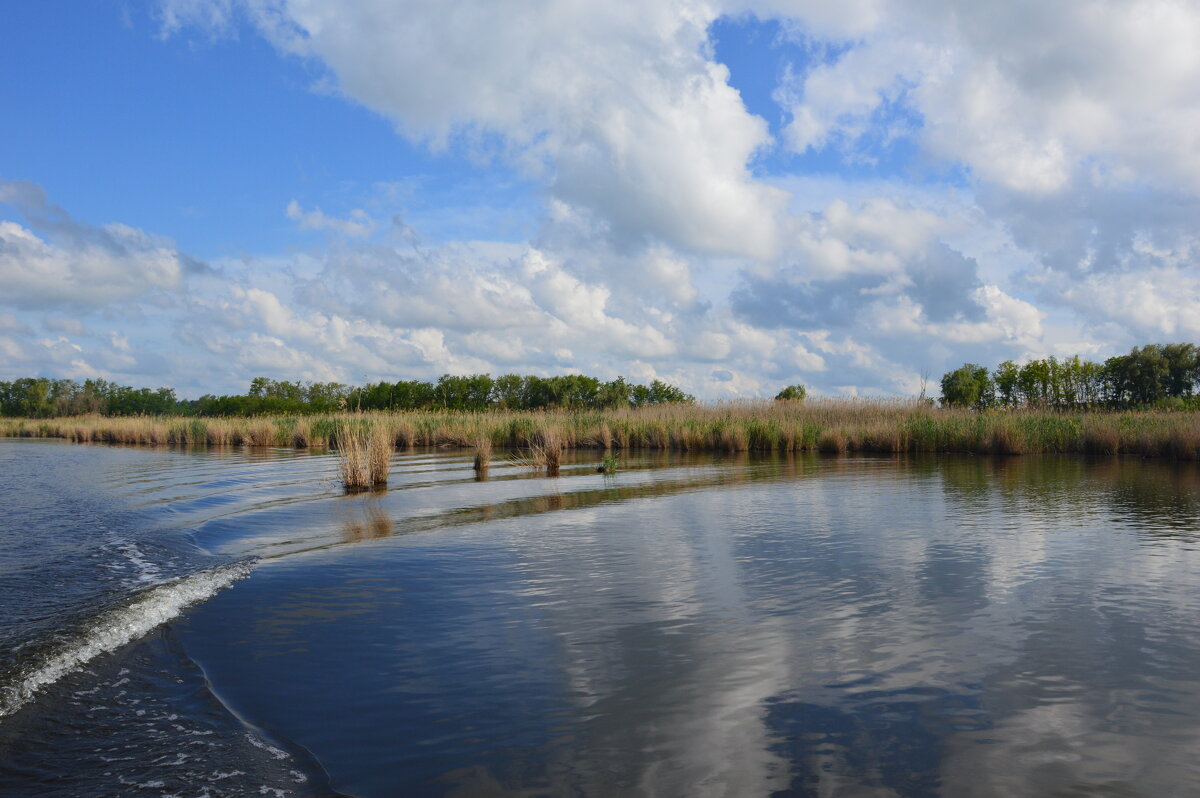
{"x": 352, "y": 459}
{"x": 832, "y": 441}
{"x": 379, "y": 454}
{"x": 364, "y": 454}
{"x": 483, "y": 454}
{"x": 1100, "y": 439}
{"x": 546, "y": 447}
{"x": 834, "y": 426}
{"x": 302, "y": 433}
{"x": 261, "y": 432}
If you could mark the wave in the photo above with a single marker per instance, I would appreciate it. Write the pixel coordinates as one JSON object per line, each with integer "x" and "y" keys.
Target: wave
{"x": 152, "y": 608}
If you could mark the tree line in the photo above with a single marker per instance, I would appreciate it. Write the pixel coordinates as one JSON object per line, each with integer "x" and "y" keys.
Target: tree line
{"x": 39, "y": 397}
{"x": 1157, "y": 375}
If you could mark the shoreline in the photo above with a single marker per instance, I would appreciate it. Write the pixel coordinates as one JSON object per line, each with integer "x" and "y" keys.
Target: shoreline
{"x": 829, "y": 426}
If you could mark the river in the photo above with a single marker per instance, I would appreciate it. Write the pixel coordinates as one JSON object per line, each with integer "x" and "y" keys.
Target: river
{"x": 227, "y": 622}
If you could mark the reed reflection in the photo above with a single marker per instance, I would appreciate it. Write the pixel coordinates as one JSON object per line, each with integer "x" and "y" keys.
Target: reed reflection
{"x": 373, "y": 524}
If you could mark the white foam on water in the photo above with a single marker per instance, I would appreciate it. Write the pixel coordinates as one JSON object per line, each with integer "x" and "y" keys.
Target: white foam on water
{"x": 272, "y": 750}
{"x": 122, "y": 625}
{"x": 132, "y": 565}
{"x": 147, "y": 571}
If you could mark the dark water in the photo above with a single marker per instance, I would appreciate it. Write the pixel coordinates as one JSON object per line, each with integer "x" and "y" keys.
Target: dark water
{"x": 691, "y": 626}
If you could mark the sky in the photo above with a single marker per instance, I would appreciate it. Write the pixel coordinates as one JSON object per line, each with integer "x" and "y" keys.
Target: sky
{"x": 729, "y": 195}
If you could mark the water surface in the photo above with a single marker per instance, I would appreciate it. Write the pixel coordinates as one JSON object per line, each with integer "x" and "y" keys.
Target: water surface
{"x": 689, "y": 626}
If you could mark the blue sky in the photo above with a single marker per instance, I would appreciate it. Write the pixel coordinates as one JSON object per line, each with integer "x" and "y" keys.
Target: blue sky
{"x": 208, "y": 138}
{"x": 730, "y": 196}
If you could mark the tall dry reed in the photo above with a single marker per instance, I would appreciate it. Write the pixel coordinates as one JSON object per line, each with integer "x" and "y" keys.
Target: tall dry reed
{"x": 824, "y": 425}
{"x": 352, "y": 458}
{"x": 546, "y": 448}
{"x": 483, "y": 454}
{"x": 379, "y": 454}
{"x": 364, "y": 455}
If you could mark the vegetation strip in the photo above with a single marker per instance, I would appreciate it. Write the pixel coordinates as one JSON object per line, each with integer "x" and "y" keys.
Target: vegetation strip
{"x": 822, "y": 425}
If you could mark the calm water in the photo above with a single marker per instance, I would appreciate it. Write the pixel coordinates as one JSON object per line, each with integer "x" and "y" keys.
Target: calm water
{"x": 226, "y": 623}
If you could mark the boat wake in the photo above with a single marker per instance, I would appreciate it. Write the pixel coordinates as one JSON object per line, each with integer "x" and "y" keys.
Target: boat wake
{"x": 120, "y": 625}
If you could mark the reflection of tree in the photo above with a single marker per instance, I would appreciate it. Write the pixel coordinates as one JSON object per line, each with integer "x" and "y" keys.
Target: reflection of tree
{"x": 1158, "y": 497}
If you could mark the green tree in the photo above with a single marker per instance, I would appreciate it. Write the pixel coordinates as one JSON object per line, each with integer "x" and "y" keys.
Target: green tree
{"x": 967, "y": 386}
{"x": 614, "y": 393}
{"x": 35, "y": 402}
{"x": 1033, "y": 381}
{"x": 793, "y": 393}
{"x": 1183, "y": 368}
{"x": 506, "y": 391}
{"x": 1005, "y": 380}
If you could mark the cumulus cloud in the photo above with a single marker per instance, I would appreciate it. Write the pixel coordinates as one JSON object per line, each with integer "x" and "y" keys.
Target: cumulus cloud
{"x": 356, "y": 310}
{"x": 1068, "y": 131}
{"x": 619, "y": 108}
{"x": 849, "y": 262}
{"x": 1076, "y": 124}
{"x": 1153, "y": 304}
{"x": 1061, "y": 115}
{"x": 37, "y": 272}
{"x": 1026, "y": 94}
{"x": 384, "y": 313}
{"x": 79, "y": 265}
{"x": 10, "y": 323}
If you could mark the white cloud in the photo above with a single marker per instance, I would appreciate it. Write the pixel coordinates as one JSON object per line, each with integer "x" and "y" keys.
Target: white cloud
{"x": 1015, "y": 318}
{"x": 1153, "y": 303}
{"x": 1026, "y": 94}
{"x": 361, "y": 310}
{"x": 124, "y": 265}
{"x": 618, "y": 107}
{"x": 79, "y": 265}
{"x": 1078, "y": 125}
{"x": 357, "y": 223}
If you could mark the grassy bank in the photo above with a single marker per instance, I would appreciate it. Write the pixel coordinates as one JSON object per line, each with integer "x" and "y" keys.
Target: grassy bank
{"x": 827, "y": 426}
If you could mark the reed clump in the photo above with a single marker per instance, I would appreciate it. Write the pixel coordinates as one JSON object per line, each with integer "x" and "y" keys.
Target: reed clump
{"x": 1006, "y": 438}
{"x": 352, "y": 459}
{"x": 483, "y": 454}
{"x": 833, "y": 441}
{"x": 261, "y": 432}
{"x": 1101, "y": 439}
{"x": 302, "y": 434}
{"x": 364, "y": 455}
{"x": 546, "y": 449}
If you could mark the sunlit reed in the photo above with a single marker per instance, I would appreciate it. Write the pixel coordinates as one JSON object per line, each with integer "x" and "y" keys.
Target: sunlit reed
{"x": 364, "y": 454}
{"x": 833, "y": 426}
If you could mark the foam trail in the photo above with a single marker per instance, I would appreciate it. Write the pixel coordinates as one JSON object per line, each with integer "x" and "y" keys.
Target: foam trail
{"x": 122, "y": 625}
